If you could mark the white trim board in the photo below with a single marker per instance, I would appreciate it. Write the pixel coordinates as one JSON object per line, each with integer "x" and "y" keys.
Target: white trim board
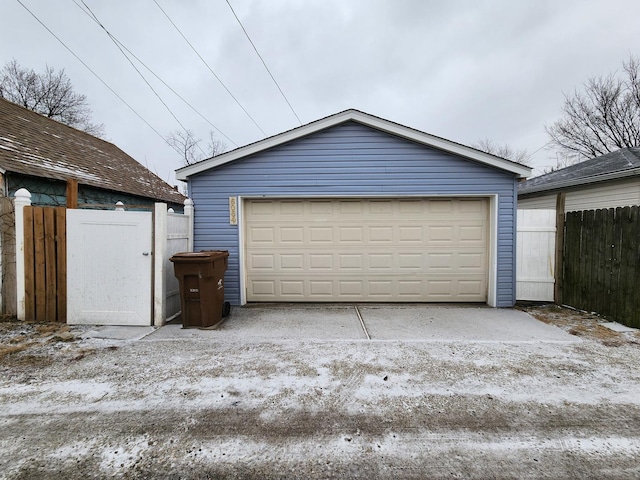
{"x": 492, "y": 273}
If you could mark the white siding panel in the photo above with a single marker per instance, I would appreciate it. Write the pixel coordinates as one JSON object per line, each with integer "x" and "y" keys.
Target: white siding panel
{"x": 543, "y": 202}
{"x": 621, "y": 193}
{"x": 609, "y": 195}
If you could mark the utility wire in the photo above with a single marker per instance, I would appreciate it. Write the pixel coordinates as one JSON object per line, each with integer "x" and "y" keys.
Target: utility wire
{"x": 186, "y": 102}
{"x": 98, "y": 77}
{"x": 263, "y": 62}
{"x": 210, "y": 69}
{"x": 543, "y": 146}
{"x": 95, "y": 18}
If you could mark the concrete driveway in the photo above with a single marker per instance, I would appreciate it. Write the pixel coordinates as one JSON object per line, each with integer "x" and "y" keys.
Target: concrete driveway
{"x": 448, "y": 323}
{"x": 301, "y": 393}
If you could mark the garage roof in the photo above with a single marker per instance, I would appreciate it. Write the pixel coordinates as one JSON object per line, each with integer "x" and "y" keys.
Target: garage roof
{"x": 622, "y": 163}
{"x": 522, "y": 171}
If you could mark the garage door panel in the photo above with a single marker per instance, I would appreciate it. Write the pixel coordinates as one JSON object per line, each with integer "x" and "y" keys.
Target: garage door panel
{"x": 473, "y": 206}
{"x": 291, "y": 207}
{"x": 367, "y": 250}
{"x": 262, "y": 208}
{"x": 383, "y": 235}
{"x": 471, "y": 233}
{"x": 350, "y": 207}
{"x": 321, "y": 261}
{"x": 350, "y": 234}
{"x": 294, "y": 288}
{"x": 320, "y": 207}
{"x": 356, "y": 289}
{"x": 321, "y": 288}
{"x": 290, "y": 235}
{"x": 292, "y": 262}
{"x": 350, "y": 261}
{"x": 277, "y": 263}
{"x": 321, "y": 235}
{"x": 263, "y": 235}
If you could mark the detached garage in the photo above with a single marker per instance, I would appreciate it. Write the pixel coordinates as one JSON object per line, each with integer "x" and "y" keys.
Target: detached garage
{"x": 355, "y": 208}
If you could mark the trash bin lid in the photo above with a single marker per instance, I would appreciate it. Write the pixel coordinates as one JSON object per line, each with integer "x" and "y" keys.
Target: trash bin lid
{"x": 203, "y": 256}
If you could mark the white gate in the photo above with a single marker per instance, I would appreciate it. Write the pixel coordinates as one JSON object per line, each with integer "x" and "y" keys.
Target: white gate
{"x": 118, "y": 245}
{"x": 535, "y": 266}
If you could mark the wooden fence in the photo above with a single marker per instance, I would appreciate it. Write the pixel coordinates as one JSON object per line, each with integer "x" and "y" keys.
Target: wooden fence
{"x": 45, "y": 269}
{"x": 43, "y": 281}
{"x": 601, "y": 264}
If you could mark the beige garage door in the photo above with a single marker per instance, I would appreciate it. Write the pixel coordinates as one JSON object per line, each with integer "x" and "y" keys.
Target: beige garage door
{"x": 372, "y": 250}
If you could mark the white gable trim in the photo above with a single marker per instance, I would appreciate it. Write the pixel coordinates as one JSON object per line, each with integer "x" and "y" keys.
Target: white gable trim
{"x": 355, "y": 115}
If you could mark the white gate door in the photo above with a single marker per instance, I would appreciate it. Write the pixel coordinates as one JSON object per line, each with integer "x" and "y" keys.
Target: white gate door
{"x": 536, "y": 255}
{"x": 109, "y": 267}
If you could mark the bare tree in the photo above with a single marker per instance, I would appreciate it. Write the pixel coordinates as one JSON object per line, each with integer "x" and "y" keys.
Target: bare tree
{"x": 603, "y": 117}
{"x": 50, "y": 94}
{"x": 503, "y": 151}
{"x": 190, "y": 147}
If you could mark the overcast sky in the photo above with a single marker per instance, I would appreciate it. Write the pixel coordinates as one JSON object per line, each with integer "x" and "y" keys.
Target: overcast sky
{"x": 463, "y": 70}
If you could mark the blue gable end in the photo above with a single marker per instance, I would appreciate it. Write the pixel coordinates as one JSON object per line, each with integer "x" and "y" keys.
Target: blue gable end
{"x": 349, "y": 159}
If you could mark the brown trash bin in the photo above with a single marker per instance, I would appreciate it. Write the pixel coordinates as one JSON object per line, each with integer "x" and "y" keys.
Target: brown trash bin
{"x": 201, "y": 279}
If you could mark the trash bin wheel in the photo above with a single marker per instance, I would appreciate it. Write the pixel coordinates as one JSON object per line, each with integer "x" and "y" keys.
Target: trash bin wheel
{"x": 226, "y": 309}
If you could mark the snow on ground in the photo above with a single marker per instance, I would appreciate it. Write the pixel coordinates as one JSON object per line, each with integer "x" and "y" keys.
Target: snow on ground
{"x": 212, "y": 408}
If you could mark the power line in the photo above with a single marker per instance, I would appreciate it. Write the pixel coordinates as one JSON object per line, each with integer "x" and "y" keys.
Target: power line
{"x": 210, "y": 69}
{"x": 263, "y": 62}
{"x": 543, "y": 146}
{"x": 97, "y": 76}
{"x": 95, "y": 18}
{"x": 186, "y": 102}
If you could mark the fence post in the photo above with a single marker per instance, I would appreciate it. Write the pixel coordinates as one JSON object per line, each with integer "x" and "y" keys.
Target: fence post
{"x": 22, "y": 199}
{"x": 559, "y": 264}
{"x": 159, "y": 252}
{"x": 189, "y": 211}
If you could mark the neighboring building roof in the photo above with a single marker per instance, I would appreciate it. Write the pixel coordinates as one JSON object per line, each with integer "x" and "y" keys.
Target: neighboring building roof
{"x": 619, "y": 164}
{"x": 366, "y": 119}
{"x": 32, "y": 144}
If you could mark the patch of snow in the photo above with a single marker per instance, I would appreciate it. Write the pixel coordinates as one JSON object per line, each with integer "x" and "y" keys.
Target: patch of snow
{"x": 54, "y": 166}
{"x": 618, "y": 327}
{"x": 73, "y": 450}
{"x": 121, "y": 457}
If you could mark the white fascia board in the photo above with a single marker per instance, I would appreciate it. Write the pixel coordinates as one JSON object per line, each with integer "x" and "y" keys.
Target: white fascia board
{"x": 375, "y": 122}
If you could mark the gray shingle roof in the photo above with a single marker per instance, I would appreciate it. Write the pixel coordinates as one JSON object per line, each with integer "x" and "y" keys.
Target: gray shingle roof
{"x": 31, "y": 144}
{"x": 619, "y": 164}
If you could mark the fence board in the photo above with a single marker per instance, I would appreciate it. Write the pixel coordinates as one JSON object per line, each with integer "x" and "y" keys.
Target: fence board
{"x": 61, "y": 270}
{"x": 616, "y": 251}
{"x": 45, "y": 263}
{"x": 29, "y": 266}
{"x": 597, "y": 233}
{"x": 39, "y": 273}
{"x": 634, "y": 276}
{"x": 601, "y": 263}
{"x": 624, "y": 290}
{"x": 50, "y": 264}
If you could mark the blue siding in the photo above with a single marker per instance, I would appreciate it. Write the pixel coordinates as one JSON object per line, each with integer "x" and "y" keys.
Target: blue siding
{"x": 348, "y": 159}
